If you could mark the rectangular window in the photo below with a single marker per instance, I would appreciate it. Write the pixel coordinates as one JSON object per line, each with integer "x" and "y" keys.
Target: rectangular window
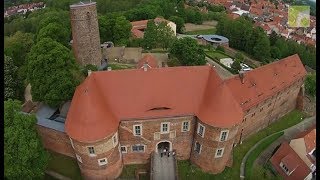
{"x": 201, "y": 130}
{"x": 124, "y": 149}
{"x": 253, "y": 114}
{"x": 115, "y": 139}
{"x": 185, "y": 126}
{"x": 261, "y": 109}
{"x": 91, "y": 150}
{"x": 138, "y": 148}
{"x": 165, "y": 127}
{"x": 197, "y": 147}
{"x": 224, "y": 135}
{"x": 79, "y": 158}
{"x": 102, "y": 161}
{"x": 219, "y": 152}
{"x": 137, "y": 130}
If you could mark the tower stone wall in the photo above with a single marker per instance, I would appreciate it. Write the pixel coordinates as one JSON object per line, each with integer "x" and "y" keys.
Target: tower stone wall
{"x": 85, "y": 33}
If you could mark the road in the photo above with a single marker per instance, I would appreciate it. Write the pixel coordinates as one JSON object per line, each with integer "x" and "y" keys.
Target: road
{"x": 223, "y": 73}
{"x": 163, "y": 168}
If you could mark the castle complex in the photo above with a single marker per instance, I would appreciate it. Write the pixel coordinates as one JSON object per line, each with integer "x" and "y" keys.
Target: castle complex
{"x": 121, "y": 117}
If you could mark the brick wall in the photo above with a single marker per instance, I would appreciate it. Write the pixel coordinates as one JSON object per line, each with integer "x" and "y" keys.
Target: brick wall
{"x": 268, "y": 111}
{"x": 85, "y": 34}
{"x": 55, "y": 141}
{"x": 182, "y": 141}
{"x": 210, "y": 142}
{"x": 105, "y": 148}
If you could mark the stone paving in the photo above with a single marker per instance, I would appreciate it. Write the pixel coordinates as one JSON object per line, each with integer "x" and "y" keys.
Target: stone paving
{"x": 163, "y": 167}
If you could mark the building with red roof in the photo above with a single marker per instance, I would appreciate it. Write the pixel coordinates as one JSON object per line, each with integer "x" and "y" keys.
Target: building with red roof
{"x": 138, "y": 27}
{"x": 148, "y": 60}
{"x": 122, "y": 117}
{"x": 296, "y": 159}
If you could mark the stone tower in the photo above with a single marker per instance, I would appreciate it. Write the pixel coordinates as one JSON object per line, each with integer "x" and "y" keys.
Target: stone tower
{"x": 85, "y": 33}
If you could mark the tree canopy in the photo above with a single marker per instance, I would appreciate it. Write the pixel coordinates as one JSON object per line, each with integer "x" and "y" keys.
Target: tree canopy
{"x": 52, "y": 72}
{"x": 188, "y": 52}
{"x": 157, "y": 35}
{"x": 56, "y": 32}
{"x": 10, "y": 76}
{"x": 114, "y": 28}
{"x": 311, "y": 85}
{"x": 24, "y": 155}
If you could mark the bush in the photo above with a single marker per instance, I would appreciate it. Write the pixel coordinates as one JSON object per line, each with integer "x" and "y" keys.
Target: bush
{"x": 220, "y": 48}
{"x": 310, "y": 84}
{"x": 89, "y": 67}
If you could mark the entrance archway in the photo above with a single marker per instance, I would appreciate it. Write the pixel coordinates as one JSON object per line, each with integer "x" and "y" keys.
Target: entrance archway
{"x": 163, "y": 144}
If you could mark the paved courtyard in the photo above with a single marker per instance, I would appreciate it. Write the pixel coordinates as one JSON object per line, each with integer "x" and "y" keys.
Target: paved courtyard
{"x": 163, "y": 168}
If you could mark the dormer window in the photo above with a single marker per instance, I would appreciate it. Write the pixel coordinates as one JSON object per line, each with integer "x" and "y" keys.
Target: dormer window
{"x": 159, "y": 108}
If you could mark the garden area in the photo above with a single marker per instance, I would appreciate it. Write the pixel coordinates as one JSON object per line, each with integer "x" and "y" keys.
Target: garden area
{"x": 202, "y": 32}
{"x": 250, "y": 169}
{"x": 189, "y": 171}
{"x": 118, "y": 66}
{"x": 63, "y": 165}
{"x": 129, "y": 171}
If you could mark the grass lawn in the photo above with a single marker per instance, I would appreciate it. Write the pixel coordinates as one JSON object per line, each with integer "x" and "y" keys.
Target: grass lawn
{"x": 257, "y": 151}
{"x": 202, "y": 32}
{"x": 264, "y": 172}
{"x": 188, "y": 171}
{"x": 128, "y": 171}
{"x": 64, "y": 165}
{"x": 117, "y": 66}
{"x": 216, "y": 54}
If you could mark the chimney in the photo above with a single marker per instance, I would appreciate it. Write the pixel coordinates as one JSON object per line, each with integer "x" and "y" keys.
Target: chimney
{"x": 241, "y": 75}
{"x": 109, "y": 68}
{"x": 145, "y": 66}
{"x": 89, "y": 72}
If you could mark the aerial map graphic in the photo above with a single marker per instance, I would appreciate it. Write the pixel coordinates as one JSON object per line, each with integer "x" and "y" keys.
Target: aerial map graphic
{"x": 299, "y": 16}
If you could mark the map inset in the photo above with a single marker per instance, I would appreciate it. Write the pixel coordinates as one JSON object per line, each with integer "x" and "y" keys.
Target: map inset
{"x": 299, "y": 16}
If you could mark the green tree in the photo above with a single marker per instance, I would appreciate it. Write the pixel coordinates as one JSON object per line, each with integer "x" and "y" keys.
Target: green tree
{"x": 261, "y": 51}
{"x": 121, "y": 31}
{"x": 150, "y": 36}
{"x": 179, "y": 22}
{"x": 52, "y": 72}
{"x": 188, "y": 52}
{"x": 10, "y": 79}
{"x": 165, "y": 35}
{"x": 275, "y": 52}
{"x": 17, "y": 47}
{"x": 236, "y": 65}
{"x": 24, "y": 155}
{"x": 56, "y": 32}
{"x": 239, "y": 56}
{"x": 310, "y": 84}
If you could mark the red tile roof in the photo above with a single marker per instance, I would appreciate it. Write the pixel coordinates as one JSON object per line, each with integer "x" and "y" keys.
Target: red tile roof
{"x": 137, "y": 33}
{"x": 265, "y": 81}
{"x": 290, "y": 161}
{"x": 309, "y": 137}
{"x": 131, "y": 94}
{"x": 106, "y": 97}
{"x": 293, "y": 160}
{"x": 139, "y": 24}
{"x": 256, "y": 11}
{"x": 149, "y": 59}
